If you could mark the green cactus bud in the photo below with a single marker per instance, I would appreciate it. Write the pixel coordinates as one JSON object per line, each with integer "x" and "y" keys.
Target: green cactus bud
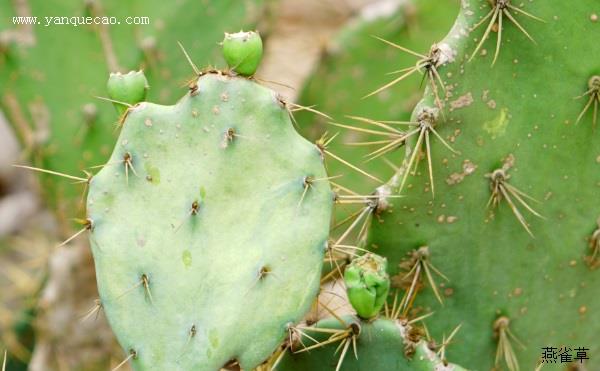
{"x": 128, "y": 88}
{"x": 367, "y": 284}
{"x": 243, "y": 51}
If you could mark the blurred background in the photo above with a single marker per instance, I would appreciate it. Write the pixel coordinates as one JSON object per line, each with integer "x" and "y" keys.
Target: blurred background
{"x": 318, "y": 53}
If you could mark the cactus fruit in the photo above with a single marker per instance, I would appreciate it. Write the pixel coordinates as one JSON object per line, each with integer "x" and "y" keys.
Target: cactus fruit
{"x": 243, "y": 51}
{"x": 353, "y": 344}
{"x": 367, "y": 284}
{"x": 513, "y": 222}
{"x": 209, "y": 222}
{"x": 129, "y": 88}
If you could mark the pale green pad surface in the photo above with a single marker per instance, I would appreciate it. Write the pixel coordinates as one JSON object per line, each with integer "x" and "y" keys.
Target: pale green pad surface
{"x": 204, "y": 269}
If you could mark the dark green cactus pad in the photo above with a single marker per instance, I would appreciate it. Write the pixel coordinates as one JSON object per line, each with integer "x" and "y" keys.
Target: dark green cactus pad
{"x": 377, "y": 345}
{"x": 514, "y": 277}
{"x": 208, "y": 227}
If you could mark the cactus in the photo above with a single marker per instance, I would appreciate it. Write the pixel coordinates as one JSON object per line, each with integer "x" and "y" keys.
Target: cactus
{"x": 354, "y": 344}
{"x": 501, "y": 233}
{"x": 209, "y": 222}
{"x": 210, "y": 219}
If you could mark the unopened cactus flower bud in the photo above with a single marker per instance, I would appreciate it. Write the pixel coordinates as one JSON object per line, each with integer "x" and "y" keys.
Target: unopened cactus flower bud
{"x": 243, "y": 51}
{"x": 367, "y": 284}
{"x": 127, "y": 88}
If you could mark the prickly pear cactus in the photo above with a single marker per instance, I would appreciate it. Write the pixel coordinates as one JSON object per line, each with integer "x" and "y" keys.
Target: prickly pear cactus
{"x": 498, "y": 226}
{"x": 208, "y": 227}
{"x": 380, "y": 344}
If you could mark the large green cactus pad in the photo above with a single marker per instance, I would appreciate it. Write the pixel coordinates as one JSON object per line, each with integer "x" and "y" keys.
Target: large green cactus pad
{"x": 208, "y": 227}
{"x": 518, "y": 115}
